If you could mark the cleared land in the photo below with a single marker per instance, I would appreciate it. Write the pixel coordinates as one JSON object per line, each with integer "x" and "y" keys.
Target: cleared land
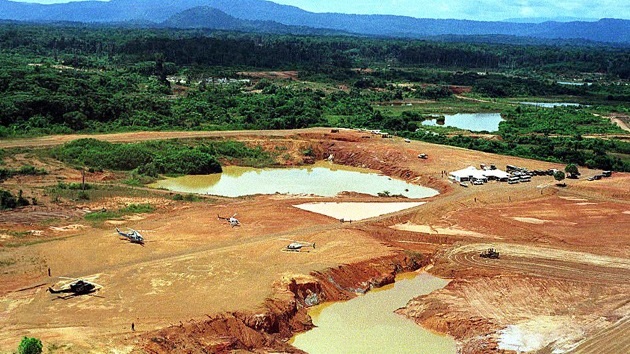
{"x": 562, "y": 276}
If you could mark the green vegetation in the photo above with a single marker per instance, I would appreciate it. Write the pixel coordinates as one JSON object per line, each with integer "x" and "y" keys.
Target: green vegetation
{"x": 24, "y": 171}
{"x": 9, "y": 201}
{"x": 572, "y": 170}
{"x": 56, "y": 79}
{"x": 150, "y": 158}
{"x": 187, "y": 197}
{"x": 30, "y": 346}
{"x": 116, "y": 214}
{"x": 559, "y": 176}
{"x": 160, "y": 157}
{"x": 558, "y": 121}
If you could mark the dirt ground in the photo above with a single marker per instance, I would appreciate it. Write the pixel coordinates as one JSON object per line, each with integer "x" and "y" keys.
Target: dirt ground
{"x": 561, "y": 283}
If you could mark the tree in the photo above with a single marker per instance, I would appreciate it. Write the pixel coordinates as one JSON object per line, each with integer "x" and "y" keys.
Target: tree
{"x": 30, "y": 346}
{"x": 572, "y": 170}
{"x": 559, "y": 176}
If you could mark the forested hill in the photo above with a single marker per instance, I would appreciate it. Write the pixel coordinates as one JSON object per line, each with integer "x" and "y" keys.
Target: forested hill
{"x": 158, "y": 11}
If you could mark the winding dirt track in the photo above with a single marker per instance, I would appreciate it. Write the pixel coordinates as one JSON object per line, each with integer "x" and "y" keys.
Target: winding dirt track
{"x": 546, "y": 262}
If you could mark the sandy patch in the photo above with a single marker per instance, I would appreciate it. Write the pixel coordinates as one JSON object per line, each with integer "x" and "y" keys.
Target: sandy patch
{"x": 574, "y": 199}
{"x": 356, "y": 211}
{"x": 428, "y": 229}
{"x": 627, "y": 212}
{"x": 542, "y": 221}
{"x": 68, "y": 227}
{"x": 530, "y": 220}
{"x": 586, "y": 203}
{"x": 135, "y": 217}
{"x": 539, "y": 332}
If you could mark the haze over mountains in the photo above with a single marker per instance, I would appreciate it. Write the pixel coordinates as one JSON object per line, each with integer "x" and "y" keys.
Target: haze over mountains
{"x": 266, "y": 16}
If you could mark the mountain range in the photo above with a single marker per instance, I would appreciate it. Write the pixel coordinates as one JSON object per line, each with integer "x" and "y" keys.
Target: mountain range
{"x": 267, "y": 16}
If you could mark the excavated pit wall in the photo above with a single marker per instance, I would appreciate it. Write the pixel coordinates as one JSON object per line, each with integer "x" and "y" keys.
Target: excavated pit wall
{"x": 345, "y": 153}
{"x": 284, "y": 314}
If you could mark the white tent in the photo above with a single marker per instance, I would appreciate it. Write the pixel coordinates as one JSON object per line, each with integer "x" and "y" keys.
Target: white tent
{"x": 496, "y": 174}
{"x": 471, "y": 173}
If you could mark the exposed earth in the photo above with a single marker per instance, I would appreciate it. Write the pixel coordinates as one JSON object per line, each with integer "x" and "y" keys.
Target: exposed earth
{"x": 561, "y": 283}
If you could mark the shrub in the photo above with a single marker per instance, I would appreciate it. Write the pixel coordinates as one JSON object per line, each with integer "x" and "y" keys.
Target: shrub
{"x": 7, "y": 200}
{"x": 191, "y": 198}
{"x": 83, "y": 196}
{"x": 30, "y": 346}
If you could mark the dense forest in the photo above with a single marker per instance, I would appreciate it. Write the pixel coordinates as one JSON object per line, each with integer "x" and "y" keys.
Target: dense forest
{"x": 74, "y": 78}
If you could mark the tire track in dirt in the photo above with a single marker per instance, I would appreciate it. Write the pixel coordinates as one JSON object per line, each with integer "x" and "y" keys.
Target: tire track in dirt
{"x": 614, "y": 339}
{"x": 545, "y": 262}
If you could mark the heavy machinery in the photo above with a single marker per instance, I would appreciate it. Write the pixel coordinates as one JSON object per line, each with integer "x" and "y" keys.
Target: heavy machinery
{"x": 490, "y": 253}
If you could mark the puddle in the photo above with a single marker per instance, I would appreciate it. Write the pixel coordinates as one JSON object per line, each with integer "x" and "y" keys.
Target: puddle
{"x": 368, "y": 324}
{"x": 322, "y": 179}
{"x": 356, "y": 211}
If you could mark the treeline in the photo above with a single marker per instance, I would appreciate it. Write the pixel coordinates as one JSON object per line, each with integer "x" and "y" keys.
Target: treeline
{"x": 88, "y": 46}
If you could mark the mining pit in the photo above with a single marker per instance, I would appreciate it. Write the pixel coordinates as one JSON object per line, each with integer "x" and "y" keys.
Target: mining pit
{"x": 200, "y": 285}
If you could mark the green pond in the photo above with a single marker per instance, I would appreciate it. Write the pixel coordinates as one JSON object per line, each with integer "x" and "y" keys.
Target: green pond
{"x": 322, "y": 179}
{"x": 368, "y": 324}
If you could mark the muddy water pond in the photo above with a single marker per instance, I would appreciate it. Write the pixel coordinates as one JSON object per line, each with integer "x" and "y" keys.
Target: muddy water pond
{"x": 322, "y": 179}
{"x": 368, "y": 324}
{"x": 470, "y": 121}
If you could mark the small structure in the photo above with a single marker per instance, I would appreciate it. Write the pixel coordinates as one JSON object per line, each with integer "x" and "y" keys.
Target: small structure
{"x": 423, "y": 156}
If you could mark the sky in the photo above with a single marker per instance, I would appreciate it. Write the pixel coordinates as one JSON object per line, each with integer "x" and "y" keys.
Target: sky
{"x": 482, "y": 10}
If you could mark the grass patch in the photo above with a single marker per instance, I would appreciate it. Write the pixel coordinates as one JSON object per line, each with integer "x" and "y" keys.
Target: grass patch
{"x": 98, "y": 192}
{"x": 117, "y": 214}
